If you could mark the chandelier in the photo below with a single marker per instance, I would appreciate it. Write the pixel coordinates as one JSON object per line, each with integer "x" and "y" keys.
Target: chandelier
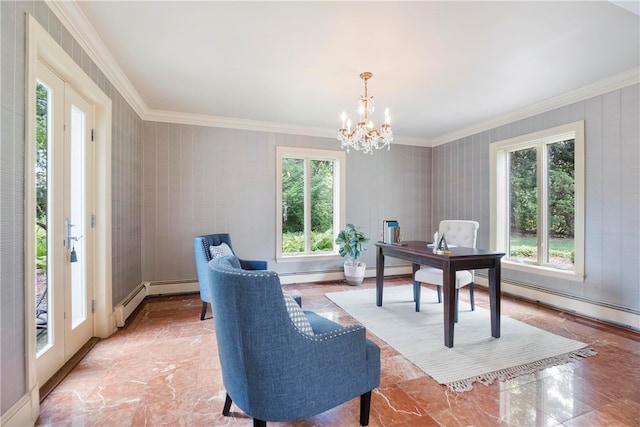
{"x": 365, "y": 136}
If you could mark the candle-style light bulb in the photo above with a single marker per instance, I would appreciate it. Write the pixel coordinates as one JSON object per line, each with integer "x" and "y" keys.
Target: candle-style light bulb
{"x": 387, "y": 118}
{"x": 344, "y": 118}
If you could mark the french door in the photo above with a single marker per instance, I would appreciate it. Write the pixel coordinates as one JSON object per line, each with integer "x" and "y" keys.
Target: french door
{"x": 64, "y": 222}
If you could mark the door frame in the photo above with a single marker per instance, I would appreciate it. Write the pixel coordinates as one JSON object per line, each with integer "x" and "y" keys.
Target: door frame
{"x": 40, "y": 45}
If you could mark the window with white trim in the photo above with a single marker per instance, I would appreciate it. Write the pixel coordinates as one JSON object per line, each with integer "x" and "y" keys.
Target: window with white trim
{"x": 310, "y": 202}
{"x": 537, "y": 201}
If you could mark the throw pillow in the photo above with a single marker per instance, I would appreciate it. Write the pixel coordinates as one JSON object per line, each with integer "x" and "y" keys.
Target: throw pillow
{"x": 230, "y": 262}
{"x": 221, "y": 250}
{"x": 297, "y": 315}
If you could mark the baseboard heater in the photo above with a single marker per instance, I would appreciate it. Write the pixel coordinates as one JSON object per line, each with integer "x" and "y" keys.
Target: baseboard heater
{"x": 618, "y": 315}
{"x": 145, "y": 289}
{"x": 129, "y": 304}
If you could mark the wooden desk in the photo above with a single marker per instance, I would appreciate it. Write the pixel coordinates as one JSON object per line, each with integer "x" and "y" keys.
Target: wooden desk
{"x": 459, "y": 259}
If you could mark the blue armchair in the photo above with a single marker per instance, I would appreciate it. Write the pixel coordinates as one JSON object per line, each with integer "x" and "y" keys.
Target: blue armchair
{"x": 201, "y": 245}
{"x": 273, "y": 370}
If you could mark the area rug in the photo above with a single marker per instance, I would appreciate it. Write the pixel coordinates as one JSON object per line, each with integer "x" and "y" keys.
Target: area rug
{"x": 476, "y": 355}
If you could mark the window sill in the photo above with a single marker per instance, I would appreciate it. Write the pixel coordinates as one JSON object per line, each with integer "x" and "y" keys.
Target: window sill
{"x": 307, "y": 258}
{"x": 571, "y": 275}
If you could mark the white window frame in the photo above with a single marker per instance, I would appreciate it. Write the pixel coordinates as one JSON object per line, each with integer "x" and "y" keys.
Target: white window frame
{"x": 499, "y": 195}
{"x": 339, "y": 199}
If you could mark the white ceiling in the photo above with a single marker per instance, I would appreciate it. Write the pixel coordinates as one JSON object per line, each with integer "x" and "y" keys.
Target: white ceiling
{"x": 442, "y": 68}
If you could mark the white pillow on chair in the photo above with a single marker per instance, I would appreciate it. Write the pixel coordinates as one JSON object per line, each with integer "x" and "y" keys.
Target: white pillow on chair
{"x": 221, "y": 250}
{"x": 297, "y": 316}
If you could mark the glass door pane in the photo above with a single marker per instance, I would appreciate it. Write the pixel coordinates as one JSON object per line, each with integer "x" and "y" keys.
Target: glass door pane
{"x": 43, "y": 137}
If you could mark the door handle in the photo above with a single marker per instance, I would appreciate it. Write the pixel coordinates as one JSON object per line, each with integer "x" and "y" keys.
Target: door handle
{"x": 69, "y": 236}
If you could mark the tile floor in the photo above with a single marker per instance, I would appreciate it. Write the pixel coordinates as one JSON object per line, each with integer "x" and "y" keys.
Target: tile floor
{"x": 162, "y": 369}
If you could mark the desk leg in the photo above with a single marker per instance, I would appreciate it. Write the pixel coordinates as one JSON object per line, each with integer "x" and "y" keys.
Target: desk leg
{"x": 379, "y": 276}
{"x": 416, "y": 287}
{"x": 448, "y": 286}
{"x": 494, "y": 299}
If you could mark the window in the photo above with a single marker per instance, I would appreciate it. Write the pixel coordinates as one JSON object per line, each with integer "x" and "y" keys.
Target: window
{"x": 310, "y": 202}
{"x": 537, "y": 201}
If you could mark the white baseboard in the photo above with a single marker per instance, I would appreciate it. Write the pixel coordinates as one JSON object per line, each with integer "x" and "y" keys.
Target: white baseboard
{"x": 591, "y": 309}
{"x": 25, "y": 412}
{"x": 169, "y": 288}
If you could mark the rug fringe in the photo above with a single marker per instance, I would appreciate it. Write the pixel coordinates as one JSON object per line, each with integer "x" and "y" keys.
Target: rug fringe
{"x": 516, "y": 371}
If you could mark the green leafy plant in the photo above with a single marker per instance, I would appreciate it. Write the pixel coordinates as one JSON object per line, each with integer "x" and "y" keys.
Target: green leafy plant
{"x": 351, "y": 241}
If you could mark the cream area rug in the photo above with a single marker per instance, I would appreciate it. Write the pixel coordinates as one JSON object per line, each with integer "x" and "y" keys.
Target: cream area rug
{"x": 476, "y": 356}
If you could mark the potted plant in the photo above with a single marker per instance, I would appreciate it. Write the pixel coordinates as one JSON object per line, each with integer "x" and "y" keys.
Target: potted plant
{"x": 351, "y": 242}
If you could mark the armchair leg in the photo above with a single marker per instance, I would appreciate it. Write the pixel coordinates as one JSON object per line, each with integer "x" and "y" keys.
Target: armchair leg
{"x": 365, "y": 408}
{"x": 439, "y": 288}
{"x": 473, "y": 306}
{"x": 259, "y": 423}
{"x": 227, "y": 406}
{"x": 204, "y": 310}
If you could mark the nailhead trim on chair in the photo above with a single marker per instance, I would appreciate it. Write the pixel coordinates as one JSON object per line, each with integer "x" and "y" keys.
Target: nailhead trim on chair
{"x": 252, "y": 273}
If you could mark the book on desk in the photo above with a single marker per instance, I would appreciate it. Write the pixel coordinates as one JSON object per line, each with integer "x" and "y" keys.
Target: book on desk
{"x": 391, "y": 232}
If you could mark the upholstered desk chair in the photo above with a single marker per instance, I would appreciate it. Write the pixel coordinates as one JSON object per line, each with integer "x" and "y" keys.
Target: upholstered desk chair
{"x": 202, "y": 249}
{"x": 279, "y": 363}
{"x": 459, "y": 233}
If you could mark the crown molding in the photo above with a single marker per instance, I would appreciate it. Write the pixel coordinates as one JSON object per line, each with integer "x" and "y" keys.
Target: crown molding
{"x": 77, "y": 23}
{"x": 257, "y": 125}
{"x": 234, "y": 123}
{"x": 615, "y": 82}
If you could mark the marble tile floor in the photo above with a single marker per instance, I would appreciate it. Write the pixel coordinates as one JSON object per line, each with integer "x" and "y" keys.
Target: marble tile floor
{"x": 162, "y": 369}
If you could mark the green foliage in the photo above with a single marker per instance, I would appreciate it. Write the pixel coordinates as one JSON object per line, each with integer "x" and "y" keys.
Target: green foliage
{"x": 351, "y": 242}
{"x": 524, "y": 251}
{"x": 322, "y": 195}
{"x": 320, "y": 242}
{"x": 42, "y": 100}
{"x": 293, "y": 195}
{"x": 561, "y": 186}
{"x": 41, "y": 249}
{"x": 41, "y": 152}
{"x": 525, "y": 247}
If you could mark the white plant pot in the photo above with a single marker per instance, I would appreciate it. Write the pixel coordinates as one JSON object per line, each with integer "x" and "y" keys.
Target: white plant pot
{"x": 354, "y": 272}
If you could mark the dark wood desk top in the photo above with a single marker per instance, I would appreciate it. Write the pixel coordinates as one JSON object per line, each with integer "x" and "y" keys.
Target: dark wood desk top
{"x": 417, "y": 251}
{"x": 422, "y": 248}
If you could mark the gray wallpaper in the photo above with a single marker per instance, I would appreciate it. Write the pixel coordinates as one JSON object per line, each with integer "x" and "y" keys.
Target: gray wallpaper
{"x": 12, "y": 296}
{"x": 126, "y": 185}
{"x": 612, "y": 137}
{"x": 200, "y": 180}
